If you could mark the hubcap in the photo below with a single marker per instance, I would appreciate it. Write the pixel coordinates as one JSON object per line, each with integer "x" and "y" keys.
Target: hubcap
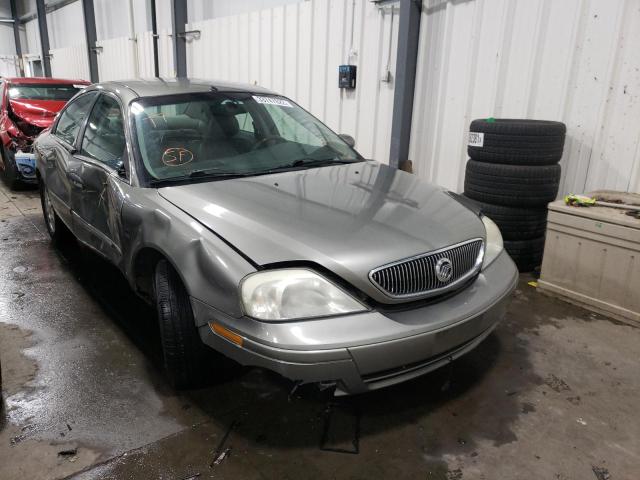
{"x": 48, "y": 211}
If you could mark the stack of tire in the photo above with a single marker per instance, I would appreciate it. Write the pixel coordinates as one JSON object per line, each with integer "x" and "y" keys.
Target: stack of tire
{"x": 512, "y": 175}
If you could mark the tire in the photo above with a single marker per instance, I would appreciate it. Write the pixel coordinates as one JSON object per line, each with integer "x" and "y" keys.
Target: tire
{"x": 526, "y": 254}
{"x": 516, "y": 223}
{"x": 10, "y": 173}
{"x": 511, "y": 185}
{"x": 518, "y": 142}
{"x": 185, "y": 356}
{"x": 56, "y": 228}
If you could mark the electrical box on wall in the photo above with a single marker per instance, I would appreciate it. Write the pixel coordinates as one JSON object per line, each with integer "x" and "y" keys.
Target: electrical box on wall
{"x": 347, "y": 76}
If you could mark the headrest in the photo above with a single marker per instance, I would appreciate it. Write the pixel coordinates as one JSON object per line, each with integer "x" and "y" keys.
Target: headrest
{"x": 173, "y": 122}
{"x": 228, "y": 124}
{"x": 228, "y": 108}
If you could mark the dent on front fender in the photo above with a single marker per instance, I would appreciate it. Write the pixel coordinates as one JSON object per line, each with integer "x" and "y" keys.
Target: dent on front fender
{"x": 210, "y": 269}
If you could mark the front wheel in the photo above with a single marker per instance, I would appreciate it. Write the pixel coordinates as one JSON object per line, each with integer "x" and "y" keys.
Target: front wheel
{"x": 10, "y": 173}
{"x": 187, "y": 360}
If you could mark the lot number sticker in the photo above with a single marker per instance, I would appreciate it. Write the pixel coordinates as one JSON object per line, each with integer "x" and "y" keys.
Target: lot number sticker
{"x": 476, "y": 139}
{"x": 280, "y": 102}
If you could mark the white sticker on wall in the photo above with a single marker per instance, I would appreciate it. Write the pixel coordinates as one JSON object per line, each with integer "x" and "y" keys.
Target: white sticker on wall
{"x": 280, "y": 102}
{"x": 476, "y": 139}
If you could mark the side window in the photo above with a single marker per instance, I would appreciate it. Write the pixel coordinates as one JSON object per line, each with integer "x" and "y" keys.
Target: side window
{"x": 104, "y": 136}
{"x": 72, "y": 118}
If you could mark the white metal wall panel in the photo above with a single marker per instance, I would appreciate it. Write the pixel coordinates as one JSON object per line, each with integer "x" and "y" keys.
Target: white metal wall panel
{"x": 32, "y": 35}
{"x": 70, "y": 62}
{"x": 575, "y": 61}
{"x": 9, "y": 66}
{"x": 117, "y": 59}
{"x": 112, "y": 17}
{"x": 296, "y": 48}
{"x": 66, "y": 26}
{"x": 145, "y": 54}
{"x": 7, "y": 41}
{"x": 166, "y": 65}
{"x": 207, "y": 9}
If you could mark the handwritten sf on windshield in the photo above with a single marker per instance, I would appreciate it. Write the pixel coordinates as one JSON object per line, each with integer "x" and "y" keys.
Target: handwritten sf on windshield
{"x": 174, "y": 157}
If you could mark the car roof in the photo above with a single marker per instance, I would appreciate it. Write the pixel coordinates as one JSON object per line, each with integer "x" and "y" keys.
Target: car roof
{"x": 159, "y": 86}
{"x": 44, "y": 80}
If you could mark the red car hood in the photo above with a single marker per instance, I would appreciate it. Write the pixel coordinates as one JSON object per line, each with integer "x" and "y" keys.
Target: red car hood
{"x": 37, "y": 112}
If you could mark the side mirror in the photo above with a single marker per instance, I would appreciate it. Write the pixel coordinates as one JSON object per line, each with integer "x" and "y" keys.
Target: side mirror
{"x": 122, "y": 172}
{"x": 348, "y": 139}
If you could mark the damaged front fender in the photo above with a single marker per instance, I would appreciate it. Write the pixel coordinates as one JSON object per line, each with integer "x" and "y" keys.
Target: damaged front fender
{"x": 153, "y": 228}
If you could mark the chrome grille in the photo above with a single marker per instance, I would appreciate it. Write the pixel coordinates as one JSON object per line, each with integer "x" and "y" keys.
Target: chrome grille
{"x": 417, "y": 276}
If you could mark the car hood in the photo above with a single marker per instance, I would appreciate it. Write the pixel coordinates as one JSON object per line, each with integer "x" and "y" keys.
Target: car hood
{"x": 37, "y": 112}
{"x": 347, "y": 218}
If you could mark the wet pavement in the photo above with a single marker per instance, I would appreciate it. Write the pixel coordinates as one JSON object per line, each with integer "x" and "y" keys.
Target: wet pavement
{"x": 553, "y": 393}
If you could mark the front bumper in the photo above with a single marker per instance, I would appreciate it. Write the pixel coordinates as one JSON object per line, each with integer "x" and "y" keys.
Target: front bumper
{"x": 371, "y": 350}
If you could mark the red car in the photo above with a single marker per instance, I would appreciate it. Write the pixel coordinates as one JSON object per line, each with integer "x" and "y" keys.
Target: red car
{"x": 28, "y": 106}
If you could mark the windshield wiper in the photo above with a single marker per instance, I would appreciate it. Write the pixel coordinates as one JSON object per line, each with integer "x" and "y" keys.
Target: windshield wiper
{"x": 320, "y": 161}
{"x": 196, "y": 174}
{"x": 303, "y": 162}
{"x": 215, "y": 173}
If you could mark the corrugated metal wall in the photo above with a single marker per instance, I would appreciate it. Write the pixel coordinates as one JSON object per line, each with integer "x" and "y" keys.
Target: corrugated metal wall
{"x": 31, "y": 41}
{"x": 166, "y": 64}
{"x": 144, "y": 45}
{"x": 296, "y": 49}
{"x": 70, "y": 62}
{"x": 577, "y": 61}
{"x": 121, "y": 58}
{"x": 9, "y": 66}
{"x": 206, "y": 9}
{"x": 117, "y": 59}
{"x": 572, "y": 60}
{"x": 66, "y": 26}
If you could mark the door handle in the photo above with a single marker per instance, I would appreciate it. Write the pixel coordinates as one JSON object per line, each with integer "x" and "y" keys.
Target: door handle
{"x": 75, "y": 180}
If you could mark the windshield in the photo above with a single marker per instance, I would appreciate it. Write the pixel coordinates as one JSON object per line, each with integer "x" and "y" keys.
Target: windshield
{"x": 60, "y": 93}
{"x": 231, "y": 134}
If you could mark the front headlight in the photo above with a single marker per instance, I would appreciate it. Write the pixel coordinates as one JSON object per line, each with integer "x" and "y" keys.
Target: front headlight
{"x": 494, "y": 244}
{"x": 289, "y": 294}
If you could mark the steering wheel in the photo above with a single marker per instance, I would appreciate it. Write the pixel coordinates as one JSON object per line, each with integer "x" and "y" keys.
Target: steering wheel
{"x": 268, "y": 141}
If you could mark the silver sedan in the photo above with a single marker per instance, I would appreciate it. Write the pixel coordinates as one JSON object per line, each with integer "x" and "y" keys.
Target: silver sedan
{"x": 258, "y": 232}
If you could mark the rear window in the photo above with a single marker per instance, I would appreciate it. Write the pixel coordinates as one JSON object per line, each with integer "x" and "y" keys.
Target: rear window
{"x": 43, "y": 92}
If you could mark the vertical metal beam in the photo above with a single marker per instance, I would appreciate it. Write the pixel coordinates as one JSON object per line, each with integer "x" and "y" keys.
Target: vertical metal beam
{"x": 179, "y": 18}
{"x": 16, "y": 35}
{"x": 154, "y": 29}
{"x": 44, "y": 37}
{"x": 406, "y": 61}
{"x": 92, "y": 38}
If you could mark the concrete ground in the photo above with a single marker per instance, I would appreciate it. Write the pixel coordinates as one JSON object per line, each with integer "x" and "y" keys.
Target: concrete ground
{"x": 552, "y": 394}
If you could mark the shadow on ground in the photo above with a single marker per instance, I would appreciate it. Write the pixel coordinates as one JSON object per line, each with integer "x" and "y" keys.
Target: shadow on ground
{"x": 261, "y": 407}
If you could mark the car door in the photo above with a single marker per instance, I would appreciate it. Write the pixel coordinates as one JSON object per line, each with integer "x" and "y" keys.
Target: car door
{"x": 98, "y": 200}
{"x": 62, "y": 168}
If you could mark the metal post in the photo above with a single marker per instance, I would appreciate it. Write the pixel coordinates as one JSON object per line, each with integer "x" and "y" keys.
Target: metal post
{"x": 407, "y": 59}
{"x": 44, "y": 37}
{"x": 16, "y": 35}
{"x": 179, "y": 38}
{"x": 92, "y": 38}
{"x": 154, "y": 29}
